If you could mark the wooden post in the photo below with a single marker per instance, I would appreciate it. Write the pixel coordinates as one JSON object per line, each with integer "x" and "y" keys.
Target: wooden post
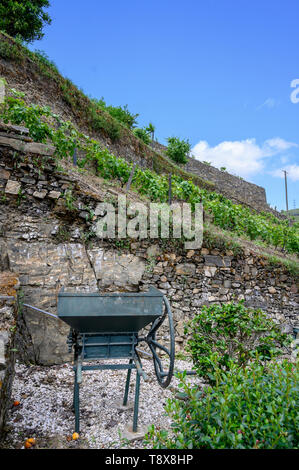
{"x": 170, "y": 190}
{"x": 75, "y": 156}
{"x": 131, "y": 178}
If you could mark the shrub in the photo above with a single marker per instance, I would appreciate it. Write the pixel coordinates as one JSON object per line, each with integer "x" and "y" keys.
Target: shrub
{"x": 142, "y": 134}
{"x": 232, "y": 333}
{"x": 11, "y": 51}
{"x": 178, "y": 150}
{"x": 102, "y": 121}
{"x": 250, "y": 407}
{"x": 226, "y": 215}
{"x": 120, "y": 113}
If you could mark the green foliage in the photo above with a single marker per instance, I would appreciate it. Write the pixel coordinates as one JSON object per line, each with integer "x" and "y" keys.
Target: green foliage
{"x": 102, "y": 121}
{"x": 44, "y": 61}
{"x": 238, "y": 219}
{"x": 120, "y": 113}
{"x": 254, "y": 407}
{"x": 24, "y": 18}
{"x": 11, "y": 51}
{"x": 69, "y": 200}
{"x": 142, "y": 134}
{"x": 178, "y": 150}
{"x": 232, "y": 333}
{"x": 292, "y": 266}
{"x": 151, "y": 129}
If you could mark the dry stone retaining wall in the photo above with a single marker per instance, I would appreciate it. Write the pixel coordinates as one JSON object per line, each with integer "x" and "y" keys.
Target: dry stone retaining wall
{"x": 48, "y": 245}
{"x": 8, "y": 320}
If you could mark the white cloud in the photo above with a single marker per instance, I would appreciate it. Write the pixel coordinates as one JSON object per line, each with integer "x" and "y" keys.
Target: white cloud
{"x": 268, "y": 103}
{"x": 292, "y": 172}
{"x": 244, "y": 158}
{"x": 278, "y": 144}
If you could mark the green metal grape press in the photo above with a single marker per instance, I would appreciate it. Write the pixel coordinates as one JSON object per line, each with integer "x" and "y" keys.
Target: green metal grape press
{"x": 107, "y": 327}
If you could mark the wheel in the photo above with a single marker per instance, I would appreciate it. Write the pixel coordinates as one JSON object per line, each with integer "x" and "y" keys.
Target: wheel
{"x": 163, "y": 354}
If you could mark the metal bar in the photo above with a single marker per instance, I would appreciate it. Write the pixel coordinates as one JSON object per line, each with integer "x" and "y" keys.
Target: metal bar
{"x": 139, "y": 368}
{"x": 143, "y": 352}
{"x": 79, "y": 371}
{"x": 188, "y": 372}
{"x": 77, "y": 405}
{"x": 42, "y": 311}
{"x": 155, "y": 343}
{"x": 136, "y": 403}
{"x": 109, "y": 366}
{"x": 108, "y": 344}
{"x": 156, "y": 357}
{"x": 125, "y": 401}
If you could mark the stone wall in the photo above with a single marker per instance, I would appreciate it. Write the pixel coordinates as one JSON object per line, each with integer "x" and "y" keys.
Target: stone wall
{"x": 25, "y": 76}
{"x": 8, "y": 326}
{"x": 233, "y": 187}
{"x": 50, "y": 244}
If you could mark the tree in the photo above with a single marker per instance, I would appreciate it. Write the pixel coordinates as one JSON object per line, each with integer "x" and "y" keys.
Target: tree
{"x": 24, "y": 18}
{"x": 151, "y": 129}
{"x": 178, "y": 150}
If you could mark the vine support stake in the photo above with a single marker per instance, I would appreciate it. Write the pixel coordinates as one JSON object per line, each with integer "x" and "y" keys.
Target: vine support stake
{"x": 131, "y": 177}
{"x": 170, "y": 189}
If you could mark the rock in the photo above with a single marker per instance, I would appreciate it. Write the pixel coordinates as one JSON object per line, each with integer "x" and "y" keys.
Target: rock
{"x": 186, "y": 269}
{"x": 39, "y": 149}
{"x": 190, "y": 253}
{"x": 12, "y": 187}
{"x": 113, "y": 269}
{"x": 54, "y": 194}
{"x": 210, "y": 271}
{"x": 219, "y": 261}
{"x": 40, "y": 194}
{"x": 271, "y": 290}
{"x": 4, "y": 174}
{"x": 294, "y": 289}
{"x": 227, "y": 283}
{"x": 153, "y": 251}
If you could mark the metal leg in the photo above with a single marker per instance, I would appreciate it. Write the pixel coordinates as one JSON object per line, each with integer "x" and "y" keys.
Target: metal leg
{"x": 136, "y": 404}
{"x": 127, "y": 385}
{"x": 77, "y": 403}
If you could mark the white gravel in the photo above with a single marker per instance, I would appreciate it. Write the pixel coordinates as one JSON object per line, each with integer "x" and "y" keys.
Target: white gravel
{"x": 45, "y": 411}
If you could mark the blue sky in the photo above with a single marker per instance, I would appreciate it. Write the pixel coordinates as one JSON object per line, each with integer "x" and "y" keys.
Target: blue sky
{"x": 216, "y": 72}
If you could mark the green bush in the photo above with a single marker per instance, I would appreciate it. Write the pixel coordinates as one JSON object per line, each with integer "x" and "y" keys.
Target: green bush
{"x": 232, "y": 333}
{"x": 178, "y": 150}
{"x": 102, "y": 121}
{"x": 11, "y": 51}
{"x": 120, "y": 113}
{"x": 226, "y": 215}
{"x": 142, "y": 134}
{"x": 251, "y": 407}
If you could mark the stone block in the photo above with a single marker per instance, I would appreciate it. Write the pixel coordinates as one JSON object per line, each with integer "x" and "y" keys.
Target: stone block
{"x": 186, "y": 269}
{"x": 12, "y": 187}
{"x": 219, "y": 261}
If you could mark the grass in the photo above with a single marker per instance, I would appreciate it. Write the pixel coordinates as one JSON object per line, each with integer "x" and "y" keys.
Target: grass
{"x": 87, "y": 113}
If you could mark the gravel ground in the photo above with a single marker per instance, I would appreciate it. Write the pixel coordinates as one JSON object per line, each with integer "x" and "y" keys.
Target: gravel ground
{"x": 45, "y": 410}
